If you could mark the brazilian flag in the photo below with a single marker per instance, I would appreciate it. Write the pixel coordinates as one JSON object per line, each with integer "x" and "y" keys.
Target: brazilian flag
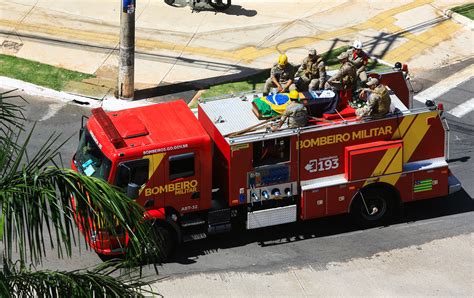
{"x": 272, "y": 105}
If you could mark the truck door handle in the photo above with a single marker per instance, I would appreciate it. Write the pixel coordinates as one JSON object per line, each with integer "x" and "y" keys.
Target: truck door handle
{"x": 196, "y": 195}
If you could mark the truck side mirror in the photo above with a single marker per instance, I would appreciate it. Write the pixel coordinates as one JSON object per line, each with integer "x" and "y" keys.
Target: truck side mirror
{"x": 81, "y": 131}
{"x": 132, "y": 190}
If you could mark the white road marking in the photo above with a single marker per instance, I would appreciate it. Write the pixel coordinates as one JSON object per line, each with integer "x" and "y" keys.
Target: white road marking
{"x": 445, "y": 85}
{"x": 463, "y": 109}
{"x": 52, "y": 110}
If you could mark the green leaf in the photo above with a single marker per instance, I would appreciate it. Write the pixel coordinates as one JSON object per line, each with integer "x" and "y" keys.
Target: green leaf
{"x": 95, "y": 282}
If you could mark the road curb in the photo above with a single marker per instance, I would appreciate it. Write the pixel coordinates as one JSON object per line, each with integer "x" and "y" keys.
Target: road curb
{"x": 35, "y": 90}
{"x": 459, "y": 18}
{"x": 108, "y": 103}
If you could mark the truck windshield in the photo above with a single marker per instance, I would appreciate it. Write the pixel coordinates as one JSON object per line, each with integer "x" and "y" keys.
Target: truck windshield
{"x": 89, "y": 160}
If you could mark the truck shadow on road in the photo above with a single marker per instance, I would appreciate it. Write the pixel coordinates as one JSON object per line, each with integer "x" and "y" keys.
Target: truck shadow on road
{"x": 189, "y": 253}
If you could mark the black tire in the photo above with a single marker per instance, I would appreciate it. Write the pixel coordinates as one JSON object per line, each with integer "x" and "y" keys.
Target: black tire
{"x": 167, "y": 241}
{"x": 380, "y": 201}
{"x": 219, "y": 5}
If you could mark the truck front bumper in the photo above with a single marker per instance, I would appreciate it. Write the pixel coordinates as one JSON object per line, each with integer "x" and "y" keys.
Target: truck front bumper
{"x": 454, "y": 184}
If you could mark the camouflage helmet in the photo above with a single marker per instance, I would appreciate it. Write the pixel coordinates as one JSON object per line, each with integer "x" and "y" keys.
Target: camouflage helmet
{"x": 372, "y": 82}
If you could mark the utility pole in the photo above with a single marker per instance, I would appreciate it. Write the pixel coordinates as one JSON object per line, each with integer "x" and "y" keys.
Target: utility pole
{"x": 127, "y": 50}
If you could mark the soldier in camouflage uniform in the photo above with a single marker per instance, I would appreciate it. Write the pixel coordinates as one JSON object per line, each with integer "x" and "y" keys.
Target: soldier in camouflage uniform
{"x": 312, "y": 72}
{"x": 360, "y": 59}
{"x": 378, "y": 100}
{"x": 281, "y": 76}
{"x": 295, "y": 113}
{"x": 345, "y": 78}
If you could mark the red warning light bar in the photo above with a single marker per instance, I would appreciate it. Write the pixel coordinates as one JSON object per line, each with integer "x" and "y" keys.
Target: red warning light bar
{"x": 109, "y": 128}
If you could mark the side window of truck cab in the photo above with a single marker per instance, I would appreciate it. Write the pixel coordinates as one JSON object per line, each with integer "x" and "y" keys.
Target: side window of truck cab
{"x": 134, "y": 171}
{"x": 181, "y": 166}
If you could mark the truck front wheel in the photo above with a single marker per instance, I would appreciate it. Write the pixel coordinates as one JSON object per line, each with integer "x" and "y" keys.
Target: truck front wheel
{"x": 373, "y": 206}
{"x": 166, "y": 240}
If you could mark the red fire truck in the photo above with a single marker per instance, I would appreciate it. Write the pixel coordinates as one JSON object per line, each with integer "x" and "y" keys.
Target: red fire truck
{"x": 197, "y": 176}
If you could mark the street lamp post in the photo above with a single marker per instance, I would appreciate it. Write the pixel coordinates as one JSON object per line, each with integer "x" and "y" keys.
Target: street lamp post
{"x": 127, "y": 50}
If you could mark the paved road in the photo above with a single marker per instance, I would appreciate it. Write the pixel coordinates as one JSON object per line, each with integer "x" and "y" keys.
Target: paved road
{"x": 461, "y": 124}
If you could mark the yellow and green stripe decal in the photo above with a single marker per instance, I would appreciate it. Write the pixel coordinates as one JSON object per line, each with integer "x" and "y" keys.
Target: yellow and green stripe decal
{"x": 155, "y": 161}
{"x": 411, "y": 130}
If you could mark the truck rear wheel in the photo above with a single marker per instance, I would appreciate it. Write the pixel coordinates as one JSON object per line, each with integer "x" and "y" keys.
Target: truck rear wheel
{"x": 373, "y": 206}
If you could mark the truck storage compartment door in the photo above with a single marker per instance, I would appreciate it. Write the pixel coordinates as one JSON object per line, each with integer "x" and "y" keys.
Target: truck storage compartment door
{"x": 373, "y": 159}
{"x": 271, "y": 217}
{"x": 313, "y": 203}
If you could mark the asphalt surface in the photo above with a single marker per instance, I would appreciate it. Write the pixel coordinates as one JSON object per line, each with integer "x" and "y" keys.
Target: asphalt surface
{"x": 461, "y": 153}
{"x": 461, "y": 145}
{"x": 315, "y": 243}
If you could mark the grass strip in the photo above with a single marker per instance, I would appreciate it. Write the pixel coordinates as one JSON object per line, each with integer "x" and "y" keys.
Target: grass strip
{"x": 38, "y": 73}
{"x": 466, "y": 10}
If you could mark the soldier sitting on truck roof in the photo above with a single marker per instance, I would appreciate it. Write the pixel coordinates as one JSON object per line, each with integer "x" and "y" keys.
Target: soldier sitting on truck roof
{"x": 281, "y": 76}
{"x": 312, "y": 72}
{"x": 295, "y": 113}
{"x": 360, "y": 59}
{"x": 345, "y": 78}
{"x": 378, "y": 100}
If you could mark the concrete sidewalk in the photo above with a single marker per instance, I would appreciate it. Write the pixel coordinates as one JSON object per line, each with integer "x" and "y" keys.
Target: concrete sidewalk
{"x": 439, "y": 268}
{"x": 177, "y": 45}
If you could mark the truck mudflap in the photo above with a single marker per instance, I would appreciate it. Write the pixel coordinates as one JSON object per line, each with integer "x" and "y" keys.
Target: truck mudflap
{"x": 271, "y": 217}
{"x": 454, "y": 184}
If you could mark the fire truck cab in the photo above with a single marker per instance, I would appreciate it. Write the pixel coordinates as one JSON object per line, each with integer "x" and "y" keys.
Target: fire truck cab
{"x": 210, "y": 174}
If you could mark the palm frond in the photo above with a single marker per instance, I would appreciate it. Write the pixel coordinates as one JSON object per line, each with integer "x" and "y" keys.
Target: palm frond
{"x": 21, "y": 282}
{"x": 11, "y": 114}
{"x": 8, "y": 151}
{"x": 39, "y": 198}
{"x": 34, "y": 200}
